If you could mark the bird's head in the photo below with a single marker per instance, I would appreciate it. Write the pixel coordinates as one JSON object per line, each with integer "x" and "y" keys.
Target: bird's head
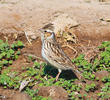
{"x": 47, "y": 33}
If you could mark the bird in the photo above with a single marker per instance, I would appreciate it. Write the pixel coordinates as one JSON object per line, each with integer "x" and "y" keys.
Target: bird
{"x": 53, "y": 53}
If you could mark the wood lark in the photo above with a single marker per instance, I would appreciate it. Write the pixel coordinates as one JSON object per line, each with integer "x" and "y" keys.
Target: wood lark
{"x": 53, "y": 54}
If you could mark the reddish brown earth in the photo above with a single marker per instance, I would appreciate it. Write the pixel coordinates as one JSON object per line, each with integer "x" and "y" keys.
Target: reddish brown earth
{"x": 16, "y": 16}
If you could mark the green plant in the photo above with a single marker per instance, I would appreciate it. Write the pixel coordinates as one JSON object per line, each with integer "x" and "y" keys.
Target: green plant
{"x": 8, "y": 53}
{"x": 9, "y": 80}
{"x": 105, "y": 90}
{"x": 90, "y": 87}
{"x": 85, "y": 67}
{"x": 105, "y": 54}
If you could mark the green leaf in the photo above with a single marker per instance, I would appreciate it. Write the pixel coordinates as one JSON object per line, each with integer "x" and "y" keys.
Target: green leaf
{"x": 16, "y": 56}
{"x": 18, "y": 52}
{"x": 8, "y": 55}
{"x": 11, "y": 51}
{"x": 20, "y": 44}
{"x": 5, "y": 62}
{"x": 1, "y": 41}
{"x": 10, "y": 61}
{"x": 36, "y": 64}
{"x": 108, "y": 48}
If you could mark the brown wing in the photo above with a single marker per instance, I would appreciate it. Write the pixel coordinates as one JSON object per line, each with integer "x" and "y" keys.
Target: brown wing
{"x": 60, "y": 57}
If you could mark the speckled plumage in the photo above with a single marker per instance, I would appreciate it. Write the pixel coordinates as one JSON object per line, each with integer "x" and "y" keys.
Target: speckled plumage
{"x": 53, "y": 54}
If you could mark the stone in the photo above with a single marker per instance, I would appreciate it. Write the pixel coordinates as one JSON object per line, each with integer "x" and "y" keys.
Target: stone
{"x": 21, "y": 96}
{"x": 54, "y": 92}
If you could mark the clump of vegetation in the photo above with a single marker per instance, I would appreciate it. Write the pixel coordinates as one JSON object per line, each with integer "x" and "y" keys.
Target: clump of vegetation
{"x": 9, "y": 79}
{"x": 105, "y": 90}
{"x": 44, "y": 75}
{"x": 9, "y": 53}
{"x": 90, "y": 87}
{"x": 85, "y": 67}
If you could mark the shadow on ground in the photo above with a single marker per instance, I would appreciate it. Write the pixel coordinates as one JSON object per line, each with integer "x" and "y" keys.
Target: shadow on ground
{"x": 66, "y": 74}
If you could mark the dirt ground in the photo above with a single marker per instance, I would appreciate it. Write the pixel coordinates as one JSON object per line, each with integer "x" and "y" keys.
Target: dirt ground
{"x": 18, "y": 16}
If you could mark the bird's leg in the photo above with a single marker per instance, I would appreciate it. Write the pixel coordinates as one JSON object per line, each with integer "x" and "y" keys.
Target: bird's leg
{"x": 59, "y": 72}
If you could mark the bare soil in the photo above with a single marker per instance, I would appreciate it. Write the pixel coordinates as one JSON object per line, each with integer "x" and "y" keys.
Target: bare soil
{"x": 16, "y": 16}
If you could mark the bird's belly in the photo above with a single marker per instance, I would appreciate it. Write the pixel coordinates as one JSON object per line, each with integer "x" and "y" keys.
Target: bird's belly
{"x": 43, "y": 54}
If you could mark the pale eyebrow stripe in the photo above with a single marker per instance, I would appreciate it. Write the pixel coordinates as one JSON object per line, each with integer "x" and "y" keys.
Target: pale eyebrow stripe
{"x": 49, "y": 31}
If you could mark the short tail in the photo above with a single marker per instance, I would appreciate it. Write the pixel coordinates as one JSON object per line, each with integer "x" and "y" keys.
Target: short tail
{"x": 77, "y": 73}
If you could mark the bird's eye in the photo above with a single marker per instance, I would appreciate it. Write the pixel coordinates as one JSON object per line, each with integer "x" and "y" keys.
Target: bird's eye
{"x": 45, "y": 31}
